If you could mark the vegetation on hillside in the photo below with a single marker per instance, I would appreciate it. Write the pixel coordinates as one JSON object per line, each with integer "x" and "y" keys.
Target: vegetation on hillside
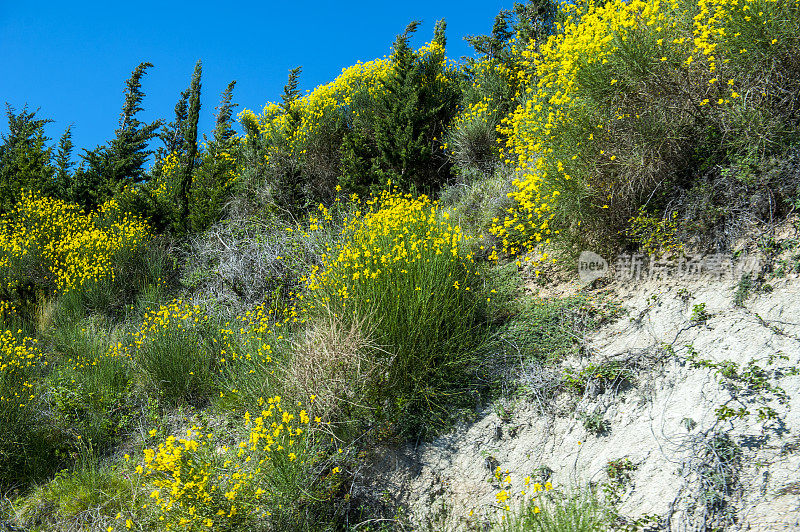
{"x": 217, "y": 341}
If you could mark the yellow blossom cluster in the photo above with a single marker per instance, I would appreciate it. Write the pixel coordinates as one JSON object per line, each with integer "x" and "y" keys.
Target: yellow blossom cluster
{"x": 166, "y": 184}
{"x": 598, "y": 50}
{"x": 526, "y": 494}
{"x": 19, "y": 357}
{"x": 202, "y": 483}
{"x": 398, "y": 239}
{"x": 484, "y": 74}
{"x": 315, "y": 109}
{"x": 7, "y": 310}
{"x": 55, "y": 244}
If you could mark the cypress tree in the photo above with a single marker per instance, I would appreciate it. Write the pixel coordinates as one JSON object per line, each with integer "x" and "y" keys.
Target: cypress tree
{"x": 190, "y": 142}
{"x": 128, "y": 150}
{"x": 412, "y": 113}
{"x": 107, "y": 169}
{"x": 212, "y": 182}
{"x": 172, "y": 134}
{"x": 223, "y": 129}
{"x": 24, "y": 157}
{"x": 64, "y": 164}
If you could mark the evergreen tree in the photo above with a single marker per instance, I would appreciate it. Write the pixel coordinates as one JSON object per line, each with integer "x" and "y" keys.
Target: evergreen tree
{"x": 172, "y": 134}
{"x": 214, "y": 179}
{"x": 290, "y": 90}
{"x": 64, "y": 164}
{"x": 531, "y": 21}
{"x": 411, "y": 113}
{"x": 24, "y": 157}
{"x": 129, "y": 149}
{"x": 90, "y": 185}
{"x": 223, "y": 127}
{"x": 108, "y": 169}
{"x": 190, "y": 142}
{"x": 289, "y": 187}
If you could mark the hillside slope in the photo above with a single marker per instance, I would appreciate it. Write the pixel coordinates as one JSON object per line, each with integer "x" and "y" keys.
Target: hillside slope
{"x": 660, "y": 445}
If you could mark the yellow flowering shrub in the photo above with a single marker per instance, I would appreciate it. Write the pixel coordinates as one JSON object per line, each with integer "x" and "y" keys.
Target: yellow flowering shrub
{"x": 472, "y": 135}
{"x": 405, "y": 272}
{"x": 54, "y": 245}
{"x": 202, "y": 482}
{"x": 316, "y": 110}
{"x": 613, "y": 99}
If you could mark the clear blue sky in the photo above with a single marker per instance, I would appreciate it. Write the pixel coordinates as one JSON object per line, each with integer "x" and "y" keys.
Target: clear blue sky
{"x": 71, "y": 59}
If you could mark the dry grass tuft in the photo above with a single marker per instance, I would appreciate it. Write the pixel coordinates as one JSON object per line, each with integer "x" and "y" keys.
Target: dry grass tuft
{"x": 339, "y": 365}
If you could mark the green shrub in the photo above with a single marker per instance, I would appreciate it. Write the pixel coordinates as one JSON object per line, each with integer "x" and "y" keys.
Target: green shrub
{"x": 175, "y": 350}
{"x": 401, "y": 270}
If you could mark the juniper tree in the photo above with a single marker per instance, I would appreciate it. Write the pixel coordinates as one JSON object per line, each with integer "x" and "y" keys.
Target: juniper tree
{"x": 190, "y": 143}
{"x": 107, "y": 169}
{"x": 290, "y": 90}
{"x": 531, "y": 21}
{"x": 24, "y": 157}
{"x": 289, "y": 188}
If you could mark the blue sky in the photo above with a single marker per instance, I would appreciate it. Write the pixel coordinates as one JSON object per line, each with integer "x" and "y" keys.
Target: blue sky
{"x": 71, "y": 59}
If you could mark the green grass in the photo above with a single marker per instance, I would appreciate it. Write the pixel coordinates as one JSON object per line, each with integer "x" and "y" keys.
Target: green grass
{"x": 87, "y": 498}
{"x": 427, "y": 313}
{"x": 577, "y": 511}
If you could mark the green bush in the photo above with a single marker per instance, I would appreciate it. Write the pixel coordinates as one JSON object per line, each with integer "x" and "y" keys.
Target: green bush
{"x": 402, "y": 271}
{"x": 175, "y": 351}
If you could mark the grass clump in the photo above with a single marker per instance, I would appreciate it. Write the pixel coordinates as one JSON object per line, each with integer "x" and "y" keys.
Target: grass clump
{"x": 535, "y": 506}
{"x": 25, "y": 447}
{"x": 86, "y": 498}
{"x": 402, "y": 271}
{"x": 174, "y": 349}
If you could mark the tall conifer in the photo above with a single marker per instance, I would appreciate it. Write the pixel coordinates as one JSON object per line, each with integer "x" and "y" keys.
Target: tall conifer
{"x": 24, "y": 157}
{"x": 64, "y": 163}
{"x": 107, "y": 169}
{"x": 190, "y": 141}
